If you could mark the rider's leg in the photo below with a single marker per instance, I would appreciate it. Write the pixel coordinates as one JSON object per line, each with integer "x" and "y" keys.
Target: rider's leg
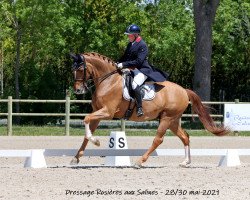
{"x": 139, "y": 79}
{"x": 138, "y": 99}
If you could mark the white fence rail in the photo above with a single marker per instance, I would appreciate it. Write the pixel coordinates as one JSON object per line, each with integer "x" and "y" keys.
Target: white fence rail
{"x": 35, "y": 158}
{"x": 67, "y": 113}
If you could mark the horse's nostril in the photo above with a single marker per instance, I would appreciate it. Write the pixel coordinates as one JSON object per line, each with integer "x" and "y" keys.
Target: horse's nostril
{"x": 77, "y": 91}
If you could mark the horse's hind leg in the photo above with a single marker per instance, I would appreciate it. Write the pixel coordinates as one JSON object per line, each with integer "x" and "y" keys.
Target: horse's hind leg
{"x": 80, "y": 152}
{"x": 163, "y": 126}
{"x": 183, "y": 135}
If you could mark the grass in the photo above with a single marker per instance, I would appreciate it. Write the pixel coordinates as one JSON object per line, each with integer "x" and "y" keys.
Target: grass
{"x": 79, "y": 131}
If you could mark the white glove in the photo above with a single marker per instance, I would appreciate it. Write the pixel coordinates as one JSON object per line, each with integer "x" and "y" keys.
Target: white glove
{"x": 119, "y": 66}
{"x": 125, "y": 71}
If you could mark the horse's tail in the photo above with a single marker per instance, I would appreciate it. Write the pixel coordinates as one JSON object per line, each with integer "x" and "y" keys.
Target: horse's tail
{"x": 204, "y": 116}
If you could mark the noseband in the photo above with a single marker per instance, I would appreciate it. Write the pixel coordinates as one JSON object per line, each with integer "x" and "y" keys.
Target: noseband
{"x": 77, "y": 66}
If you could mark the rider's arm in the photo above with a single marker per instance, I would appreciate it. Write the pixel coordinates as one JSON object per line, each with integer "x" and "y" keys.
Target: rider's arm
{"x": 142, "y": 54}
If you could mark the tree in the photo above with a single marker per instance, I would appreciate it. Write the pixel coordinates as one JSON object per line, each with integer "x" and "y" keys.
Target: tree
{"x": 43, "y": 32}
{"x": 231, "y": 51}
{"x": 13, "y": 20}
{"x": 36, "y": 33}
{"x": 204, "y": 15}
{"x": 170, "y": 39}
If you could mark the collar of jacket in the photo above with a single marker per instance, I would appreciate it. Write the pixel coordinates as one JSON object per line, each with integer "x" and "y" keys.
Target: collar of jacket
{"x": 138, "y": 39}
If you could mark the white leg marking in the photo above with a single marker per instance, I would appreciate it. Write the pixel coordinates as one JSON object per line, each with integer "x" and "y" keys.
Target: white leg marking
{"x": 89, "y": 136}
{"x": 187, "y": 157}
{"x": 88, "y": 133}
{"x": 187, "y": 154}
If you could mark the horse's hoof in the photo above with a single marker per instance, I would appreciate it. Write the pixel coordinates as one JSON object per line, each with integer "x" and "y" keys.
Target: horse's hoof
{"x": 137, "y": 165}
{"x": 185, "y": 163}
{"x": 97, "y": 142}
{"x": 74, "y": 161}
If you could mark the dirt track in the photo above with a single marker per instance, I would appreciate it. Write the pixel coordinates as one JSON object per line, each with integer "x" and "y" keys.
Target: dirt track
{"x": 161, "y": 178}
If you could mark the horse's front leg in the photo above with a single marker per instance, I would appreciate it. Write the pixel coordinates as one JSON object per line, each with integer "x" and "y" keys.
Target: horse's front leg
{"x": 92, "y": 126}
{"x": 89, "y": 136}
{"x": 91, "y": 122}
{"x": 103, "y": 113}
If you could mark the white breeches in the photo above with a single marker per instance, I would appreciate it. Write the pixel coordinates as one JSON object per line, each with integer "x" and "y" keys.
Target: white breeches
{"x": 139, "y": 78}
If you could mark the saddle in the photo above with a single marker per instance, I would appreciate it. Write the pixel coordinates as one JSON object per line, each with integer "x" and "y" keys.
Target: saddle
{"x": 147, "y": 92}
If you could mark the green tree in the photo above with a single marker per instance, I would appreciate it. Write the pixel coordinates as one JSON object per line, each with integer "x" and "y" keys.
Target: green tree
{"x": 170, "y": 35}
{"x": 104, "y": 25}
{"x": 37, "y": 36}
{"x": 231, "y": 51}
{"x": 38, "y": 32}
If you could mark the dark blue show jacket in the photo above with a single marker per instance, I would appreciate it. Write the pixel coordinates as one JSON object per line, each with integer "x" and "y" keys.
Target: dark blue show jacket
{"x": 136, "y": 55}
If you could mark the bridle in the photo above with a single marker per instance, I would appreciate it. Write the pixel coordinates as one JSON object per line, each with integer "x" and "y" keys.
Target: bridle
{"x": 76, "y": 66}
{"x": 87, "y": 83}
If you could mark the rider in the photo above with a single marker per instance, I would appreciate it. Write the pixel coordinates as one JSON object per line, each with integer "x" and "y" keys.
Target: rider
{"x": 136, "y": 55}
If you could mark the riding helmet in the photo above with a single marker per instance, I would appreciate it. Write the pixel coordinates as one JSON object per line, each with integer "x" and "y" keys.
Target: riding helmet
{"x": 132, "y": 29}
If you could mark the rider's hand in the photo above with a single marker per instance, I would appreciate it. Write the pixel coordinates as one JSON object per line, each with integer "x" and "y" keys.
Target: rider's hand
{"x": 119, "y": 66}
{"x": 125, "y": 71}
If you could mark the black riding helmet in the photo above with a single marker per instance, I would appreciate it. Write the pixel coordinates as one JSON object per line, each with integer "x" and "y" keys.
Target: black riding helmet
{"x": 132, "y": 29}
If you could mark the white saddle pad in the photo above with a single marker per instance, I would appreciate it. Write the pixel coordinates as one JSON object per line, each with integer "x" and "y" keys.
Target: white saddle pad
{"x": 149, "y": 90}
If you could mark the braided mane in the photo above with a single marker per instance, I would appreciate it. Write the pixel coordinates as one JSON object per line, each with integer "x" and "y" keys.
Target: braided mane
{"x": 105, "y": 58}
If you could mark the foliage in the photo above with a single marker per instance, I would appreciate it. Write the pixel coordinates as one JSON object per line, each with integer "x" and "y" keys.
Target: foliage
{"x": 231, "y": 51}
{"x": 50, "y": 29}
{"x": 170, "y": 35}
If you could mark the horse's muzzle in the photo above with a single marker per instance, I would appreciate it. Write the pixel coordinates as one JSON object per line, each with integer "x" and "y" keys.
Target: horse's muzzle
{"x": 80, "y": 91}
{"x": 80, "y": 88}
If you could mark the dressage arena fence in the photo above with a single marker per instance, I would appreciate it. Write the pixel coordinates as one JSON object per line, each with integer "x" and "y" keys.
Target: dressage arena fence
{"x": 117, "y": 153}
{"x": 35, "y": 158}
{"x": 67, "y": 113}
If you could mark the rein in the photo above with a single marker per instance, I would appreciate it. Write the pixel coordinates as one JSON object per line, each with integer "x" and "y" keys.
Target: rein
{"x": 100, "y": 79}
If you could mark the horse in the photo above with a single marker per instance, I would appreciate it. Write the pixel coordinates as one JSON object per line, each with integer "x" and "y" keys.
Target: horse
{"x": 108, "y": 102}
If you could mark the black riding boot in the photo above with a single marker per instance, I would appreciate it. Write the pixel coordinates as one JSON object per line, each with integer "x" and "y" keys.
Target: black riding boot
{"x": 138, "y": 99}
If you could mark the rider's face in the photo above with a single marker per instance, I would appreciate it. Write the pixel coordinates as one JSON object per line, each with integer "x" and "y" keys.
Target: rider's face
{"x": 131, "y": 37}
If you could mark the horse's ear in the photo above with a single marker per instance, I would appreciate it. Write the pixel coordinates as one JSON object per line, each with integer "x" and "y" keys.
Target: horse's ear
{"x": 73, "y": 56}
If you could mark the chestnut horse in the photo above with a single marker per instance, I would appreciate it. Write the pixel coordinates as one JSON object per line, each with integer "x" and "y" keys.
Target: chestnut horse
{"x": 108, "y": 103}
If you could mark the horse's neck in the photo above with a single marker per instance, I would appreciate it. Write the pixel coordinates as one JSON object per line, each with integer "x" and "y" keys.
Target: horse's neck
{"x": 106, "y": 82}
{"x": 100, "y": 68}
{"x": 101, "y": 71}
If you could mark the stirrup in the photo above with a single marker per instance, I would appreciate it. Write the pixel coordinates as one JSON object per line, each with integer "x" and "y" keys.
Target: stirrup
{"x": 128, "y": 114}
{"x": 139, "y": 112}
